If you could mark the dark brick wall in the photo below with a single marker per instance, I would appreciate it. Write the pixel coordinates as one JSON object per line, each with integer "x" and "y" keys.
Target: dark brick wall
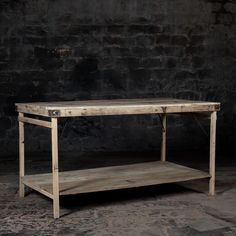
{"x": 90, "y": 49}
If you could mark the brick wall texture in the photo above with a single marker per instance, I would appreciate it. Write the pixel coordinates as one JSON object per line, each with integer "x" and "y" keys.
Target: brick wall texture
{"x": 90, "y": 49}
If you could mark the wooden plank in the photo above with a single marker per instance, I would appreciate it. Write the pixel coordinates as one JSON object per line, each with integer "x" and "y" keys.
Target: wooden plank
{"x": 31, "y": 108}
{"x": 114, "y": 102}
{"x": 130, "y": 110}
{"x": 163, "y": 137}
{"x": 37, "y": 188}
{"x": 32, "y": 121}
{"x": 117, "y": 177}
{"x": 212, "y": 153}
{"x": 21, "y": 156}
{"x": 116, "y": 107}
{"x": 55, "y": 175}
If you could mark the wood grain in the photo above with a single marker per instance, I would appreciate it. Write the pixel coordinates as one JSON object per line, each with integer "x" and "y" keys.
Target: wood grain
{"x": 55, "y": 175}
{"x": 212, "y": 153}
{"x": 163, "y": 137}
{"x": 115, "y": 177}
{"x": 32, "y": 121}
{"x": 116, "y": 107}
{"x": 21, "y": 156}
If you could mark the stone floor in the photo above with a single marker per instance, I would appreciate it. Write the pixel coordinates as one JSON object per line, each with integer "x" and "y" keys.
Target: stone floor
{"x": 172, "y": 209}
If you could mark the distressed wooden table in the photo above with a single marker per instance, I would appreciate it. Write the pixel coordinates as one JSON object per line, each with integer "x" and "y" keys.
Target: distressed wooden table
{"x": 55, "y": 184}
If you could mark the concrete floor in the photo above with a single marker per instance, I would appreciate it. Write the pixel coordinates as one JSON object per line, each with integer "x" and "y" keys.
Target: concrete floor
{"x": 172, "y": 209}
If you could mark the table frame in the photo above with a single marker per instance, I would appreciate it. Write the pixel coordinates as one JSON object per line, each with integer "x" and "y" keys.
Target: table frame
{"x": 53, "y": 126}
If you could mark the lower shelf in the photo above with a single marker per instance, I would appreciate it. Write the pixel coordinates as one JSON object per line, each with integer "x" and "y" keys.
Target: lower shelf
{"x": 114, "y": 177}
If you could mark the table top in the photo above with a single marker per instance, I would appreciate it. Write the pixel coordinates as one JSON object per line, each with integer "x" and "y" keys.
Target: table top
{"x": 116, "y": 107}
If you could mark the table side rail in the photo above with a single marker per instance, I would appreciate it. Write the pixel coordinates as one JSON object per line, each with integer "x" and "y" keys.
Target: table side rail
{"x": 117, "y": 109}
{"x": 132, "y": 110}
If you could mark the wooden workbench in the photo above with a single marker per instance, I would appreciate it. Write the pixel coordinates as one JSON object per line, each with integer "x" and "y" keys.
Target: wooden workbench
{"x": 116, "y": 177}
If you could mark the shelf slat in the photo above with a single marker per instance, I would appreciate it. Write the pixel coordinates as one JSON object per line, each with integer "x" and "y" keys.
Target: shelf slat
{"x": 115, "y": 177}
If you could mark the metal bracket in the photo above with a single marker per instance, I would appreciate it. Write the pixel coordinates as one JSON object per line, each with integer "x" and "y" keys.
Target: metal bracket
{"x": 54, "y": 113}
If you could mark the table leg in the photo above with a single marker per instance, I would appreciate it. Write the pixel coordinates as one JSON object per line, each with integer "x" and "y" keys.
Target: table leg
{"x": 21, "y": 157}
{"x": 212, "y": 153}
{"x": 55, "y": 175}
{"x": 163, "y": 137}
